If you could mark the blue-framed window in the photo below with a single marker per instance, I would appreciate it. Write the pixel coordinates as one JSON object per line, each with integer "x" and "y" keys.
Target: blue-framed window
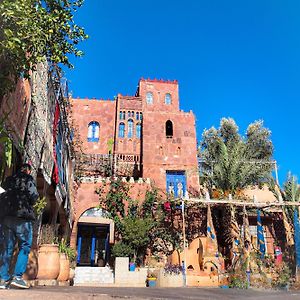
{"x": 93, "y": 131}
{"x": 137, "y": 115}
{"x": 176, "y": 183}
{"x": 122, "y": 115}
{"x": 130, "y": 128}
{"x": 149, "y": 98}
{"x": 168, "y": 98}
{"x": 121, "y": 130}
{"x": 138, "y": 130}
{"x": 141, "y": 116}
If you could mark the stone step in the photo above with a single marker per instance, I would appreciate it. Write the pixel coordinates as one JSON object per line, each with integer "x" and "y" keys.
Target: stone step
{"x": 93, "y": 275}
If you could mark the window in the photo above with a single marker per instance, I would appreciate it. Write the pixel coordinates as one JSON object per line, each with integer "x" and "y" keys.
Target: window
{"x": 169, "y": 129}
{"x": 168, "y": 99}
{"x": 141, "y": 116}
{"x": 93, "y": 132}
{"x": 130, "y": 128}
{"x": 137, "y": 116}
{"x": 149, "y": 98}
{"x": 121, "y": 130}
{"x": 122, "y": 115}
{"x": 138, "y": 130}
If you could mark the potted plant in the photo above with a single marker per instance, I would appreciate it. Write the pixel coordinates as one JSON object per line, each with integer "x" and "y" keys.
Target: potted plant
{"x": 151, "y": 279}
{"x": 48, "y": 255}
{"x": 67, "y": 254}
{"x": 132, "y": 265}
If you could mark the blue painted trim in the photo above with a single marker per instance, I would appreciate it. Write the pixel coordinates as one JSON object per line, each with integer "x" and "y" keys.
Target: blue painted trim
{"x": 93, "y": 250}
{"x": 79, "y": 249}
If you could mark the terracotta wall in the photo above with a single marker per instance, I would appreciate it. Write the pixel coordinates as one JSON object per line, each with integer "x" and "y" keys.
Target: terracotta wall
{"x": 102, "y": 111}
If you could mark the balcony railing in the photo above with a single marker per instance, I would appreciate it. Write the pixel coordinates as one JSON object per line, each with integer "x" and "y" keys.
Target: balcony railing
{"x": 109, "y": 165}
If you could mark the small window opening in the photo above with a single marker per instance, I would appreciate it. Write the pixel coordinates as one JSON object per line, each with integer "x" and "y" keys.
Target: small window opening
{"x": 169, "y": 129}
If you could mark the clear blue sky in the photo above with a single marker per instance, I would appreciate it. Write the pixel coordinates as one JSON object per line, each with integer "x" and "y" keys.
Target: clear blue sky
{"x": 237, "y": 59}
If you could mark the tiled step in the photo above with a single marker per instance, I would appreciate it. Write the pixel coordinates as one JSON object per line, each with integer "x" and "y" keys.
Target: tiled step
{"x": 93, "y": 275}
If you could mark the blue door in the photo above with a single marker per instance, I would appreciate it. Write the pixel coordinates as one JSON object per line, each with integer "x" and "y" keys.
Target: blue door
{"x": 176, "y": 183}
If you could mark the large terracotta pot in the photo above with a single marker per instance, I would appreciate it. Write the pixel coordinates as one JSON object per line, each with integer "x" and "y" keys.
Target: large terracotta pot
{"x": 64, "y": 271}
{"x": 48, "y": 262}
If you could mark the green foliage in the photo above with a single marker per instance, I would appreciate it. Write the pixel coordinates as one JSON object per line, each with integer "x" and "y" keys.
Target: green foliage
{"x": 140, "y": 226}
{"x": 32, "y": 31}
{"x": 63, "y": 247}
{"x": 231, "y": 162}
{"x": 136, "y": 233}
{"x": 39, "y": 206}
{"x": 6, "y": 145}
{"x": 113, "y": 201}
{"x": 121, "y": 249}
{"x": 47, "y": 235}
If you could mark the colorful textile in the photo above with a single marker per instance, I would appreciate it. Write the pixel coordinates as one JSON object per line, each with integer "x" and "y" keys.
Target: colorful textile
{"x": 297, "y": 236}
{"x": 288, "y": 229}
{"x": 212, "y": 243}
{"x": 260, "y": 236}
{"x": 247, "y": 235}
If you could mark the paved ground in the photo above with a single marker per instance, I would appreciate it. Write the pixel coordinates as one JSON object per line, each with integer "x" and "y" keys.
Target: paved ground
{"x": 91, "y": 293}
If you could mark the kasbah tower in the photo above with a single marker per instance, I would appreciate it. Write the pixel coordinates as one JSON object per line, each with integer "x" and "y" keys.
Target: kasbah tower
{"x": 149, "y": 138}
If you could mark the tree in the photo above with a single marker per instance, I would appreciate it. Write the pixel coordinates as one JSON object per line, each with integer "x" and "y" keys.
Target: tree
{"x": 32, "y": 31}
{"x": 231, "y": 162}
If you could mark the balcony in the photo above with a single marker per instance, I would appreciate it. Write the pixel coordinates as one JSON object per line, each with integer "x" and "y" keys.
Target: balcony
{"x": 109, "y": 165}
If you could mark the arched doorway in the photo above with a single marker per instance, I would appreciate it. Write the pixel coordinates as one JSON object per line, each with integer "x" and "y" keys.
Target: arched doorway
{"x": 95, "y": 234}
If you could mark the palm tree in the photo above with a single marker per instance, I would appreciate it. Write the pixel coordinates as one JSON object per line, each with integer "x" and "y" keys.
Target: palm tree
{"x": 230, "y": 163}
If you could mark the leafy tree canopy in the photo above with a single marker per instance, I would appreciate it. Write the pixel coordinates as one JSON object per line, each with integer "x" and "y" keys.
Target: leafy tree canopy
{"x": 231, "y": 162}
{"x": 32, "y": 31}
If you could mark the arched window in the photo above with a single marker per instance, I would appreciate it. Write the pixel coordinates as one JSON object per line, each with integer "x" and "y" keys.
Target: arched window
{"x": 93, "y": 131}
{"x": 121, "y": 130}
{"x": 138, "y": 130}
{"x": 141, "y": 116}
{"x": 130, "y": 128}
{"x": 169, "y": 129}
{"x": 122, "y": 115}
{"x": 149, "y": 98}
{"x": 168, "y": 99}
{"x": 137, "y": 116}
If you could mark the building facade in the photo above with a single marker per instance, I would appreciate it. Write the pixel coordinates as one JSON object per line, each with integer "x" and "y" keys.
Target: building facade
{"x": 146, "y": 140}
{"x": 146, "y": 135}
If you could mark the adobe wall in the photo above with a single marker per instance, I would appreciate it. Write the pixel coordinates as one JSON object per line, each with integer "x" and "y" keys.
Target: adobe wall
{"x": 85, "y": 111}
{"x": 17, "y": 106}
{"x": 86, "y": 197}
{"x": 161, "y": 153}
{"x": 159, "y": 88}
{"x": 129, "y": 106}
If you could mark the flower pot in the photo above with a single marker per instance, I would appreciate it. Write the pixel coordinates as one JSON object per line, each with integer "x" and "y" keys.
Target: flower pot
{"x": 48, "y": 261}
{"x": 64, "y": 270}
{"x": 131, "y": 267}
{"x": 151, "y": 282}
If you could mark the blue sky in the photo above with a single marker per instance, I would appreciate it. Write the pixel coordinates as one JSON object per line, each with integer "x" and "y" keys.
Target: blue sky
{"x": 237, "y": 59}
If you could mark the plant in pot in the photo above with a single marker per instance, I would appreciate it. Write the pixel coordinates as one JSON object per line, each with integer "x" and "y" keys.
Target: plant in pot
{"x": 151, "y": 279}
{"x": 67, "y": 254}
{"x": 32, "y": 265}
{"x": 48, "y": 255}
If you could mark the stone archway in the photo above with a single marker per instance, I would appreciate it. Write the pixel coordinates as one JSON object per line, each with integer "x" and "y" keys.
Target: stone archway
{"x": 95, "y": 234}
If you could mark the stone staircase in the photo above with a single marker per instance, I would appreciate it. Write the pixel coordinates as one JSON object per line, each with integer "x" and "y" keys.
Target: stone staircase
{"x": 93, "y": 276}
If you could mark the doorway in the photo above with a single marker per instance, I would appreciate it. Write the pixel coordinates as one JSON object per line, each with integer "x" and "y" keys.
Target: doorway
{"x": 93, "y": 247}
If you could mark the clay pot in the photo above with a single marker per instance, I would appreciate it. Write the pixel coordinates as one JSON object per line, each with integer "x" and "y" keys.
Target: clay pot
{"x": 64, "y": 271}
{"x": 48, "y": 262}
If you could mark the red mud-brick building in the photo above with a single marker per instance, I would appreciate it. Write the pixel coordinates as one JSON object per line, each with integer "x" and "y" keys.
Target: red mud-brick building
{"x": 144, "y": 139}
